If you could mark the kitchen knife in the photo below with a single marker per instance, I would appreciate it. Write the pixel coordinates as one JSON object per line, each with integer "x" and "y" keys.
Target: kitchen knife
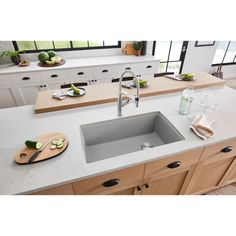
{"x": 35, "y": 155}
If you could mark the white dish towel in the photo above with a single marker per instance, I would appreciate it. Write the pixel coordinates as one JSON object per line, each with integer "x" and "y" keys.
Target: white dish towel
{"x": 201, "y": 126}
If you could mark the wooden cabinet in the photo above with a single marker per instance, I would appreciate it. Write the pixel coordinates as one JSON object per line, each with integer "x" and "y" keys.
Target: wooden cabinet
{"x": 215, "y": 168}
{"x": 122, "y": 182}
{"x": 171, "y": 175}
{"x": 60, "y": 190}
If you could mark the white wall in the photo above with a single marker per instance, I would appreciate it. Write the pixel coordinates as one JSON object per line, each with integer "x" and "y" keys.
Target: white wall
{"x": 198, "y": 59}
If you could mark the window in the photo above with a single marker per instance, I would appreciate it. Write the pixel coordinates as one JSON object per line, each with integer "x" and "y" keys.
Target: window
{"x": 36, "y": 46}
{"x": 225, "y": 53}
{"x": 171, "y": 55}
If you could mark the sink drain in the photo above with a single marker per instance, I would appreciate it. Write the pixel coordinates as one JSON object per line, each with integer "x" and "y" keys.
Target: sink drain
{"x": 146, "y": 146}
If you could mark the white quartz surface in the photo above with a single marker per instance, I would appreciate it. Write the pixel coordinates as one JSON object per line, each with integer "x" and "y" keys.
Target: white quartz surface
{"x": 20, "y": 123}
{"x": 78, "y": 62}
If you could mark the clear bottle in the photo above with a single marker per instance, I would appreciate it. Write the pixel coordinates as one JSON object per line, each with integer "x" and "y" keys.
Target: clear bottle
{"x": 186, "y": 100}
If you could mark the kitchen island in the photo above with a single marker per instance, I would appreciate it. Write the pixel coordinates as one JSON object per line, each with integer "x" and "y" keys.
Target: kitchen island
{"x": 20, "y": 123}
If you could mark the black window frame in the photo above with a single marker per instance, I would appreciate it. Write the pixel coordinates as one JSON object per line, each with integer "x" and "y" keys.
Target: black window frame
{"x": 67, "y": 49}
{"x": 227, "y": 63}
{"x": 181, "y": 57}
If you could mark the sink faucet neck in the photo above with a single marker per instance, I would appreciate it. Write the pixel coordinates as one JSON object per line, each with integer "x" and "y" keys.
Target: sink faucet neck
{"x": 120, "y": 103}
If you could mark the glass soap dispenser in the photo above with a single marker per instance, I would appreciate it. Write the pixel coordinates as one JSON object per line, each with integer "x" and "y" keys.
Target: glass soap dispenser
{"x": 186, "y": 100}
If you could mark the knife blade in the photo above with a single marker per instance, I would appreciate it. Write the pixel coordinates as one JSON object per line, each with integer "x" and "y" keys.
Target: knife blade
{"x": 35, "y": 155}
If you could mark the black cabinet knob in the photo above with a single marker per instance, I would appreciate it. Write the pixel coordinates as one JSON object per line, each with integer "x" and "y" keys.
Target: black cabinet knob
{"x": 127, "y": 68}
{"x": 80, "y": 73}
{"x": 227, "y": 149}
{"x": 173, "y": 165}
{"x": 146, "y": 185}
{"x": 111, "y": 182}
{"x": 54, "y": 75}
{"x": 139, "y": 188}
{"x": 149, "y": 66}
{"x": 26, "y": 78}
{"x": 104, "y": 71}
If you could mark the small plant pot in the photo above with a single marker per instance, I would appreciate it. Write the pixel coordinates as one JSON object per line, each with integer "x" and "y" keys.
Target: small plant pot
{"x": 16, "y": 60}
{"x": 137, "y": 53}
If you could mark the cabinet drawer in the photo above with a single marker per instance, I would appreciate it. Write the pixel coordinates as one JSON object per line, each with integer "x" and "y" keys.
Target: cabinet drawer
{"x": 80, "y": 74}
{"x": 54, "y": 76}
{"x": 26, "y": 78}
{"x": 61, "y": 190}
{"x": 5, "y": 79}
{"x": 131, "y": 66}
{"x": 219, "y": 151}
{"x": 105, "y": 71}
{"x": 171, "y": 164}
{"x": 111, "y": 182}
{"x": 148, "y": 67}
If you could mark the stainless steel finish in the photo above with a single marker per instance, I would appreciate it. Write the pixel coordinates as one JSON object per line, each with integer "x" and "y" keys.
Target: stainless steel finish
{"x": 111, "y": 138}
{"x": 121, "y": 94}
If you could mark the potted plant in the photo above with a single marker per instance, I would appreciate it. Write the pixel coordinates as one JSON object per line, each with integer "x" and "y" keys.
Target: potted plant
{"x": 14, "y": 55}
{"x": 137, "y": 46}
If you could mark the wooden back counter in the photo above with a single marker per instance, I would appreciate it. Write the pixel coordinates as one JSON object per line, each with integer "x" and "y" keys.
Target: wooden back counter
{"x": 106, "y": 93}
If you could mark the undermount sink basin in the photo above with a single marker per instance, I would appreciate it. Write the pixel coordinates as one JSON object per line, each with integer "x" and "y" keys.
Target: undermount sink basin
{"x": 120, "y": 136}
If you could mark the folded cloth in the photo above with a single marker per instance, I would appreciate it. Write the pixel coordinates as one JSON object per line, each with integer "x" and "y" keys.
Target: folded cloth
{"x": 60, "y": 94}
{"x": 202, "y": 126}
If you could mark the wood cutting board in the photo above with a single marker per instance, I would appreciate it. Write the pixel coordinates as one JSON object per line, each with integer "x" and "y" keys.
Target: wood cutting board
{"x": 23, "y": 155}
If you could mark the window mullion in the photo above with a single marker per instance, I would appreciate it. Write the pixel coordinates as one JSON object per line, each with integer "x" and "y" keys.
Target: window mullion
{"x": 71, "y": 44}
{"x": 168, "y": 58}
{"x": 225, "y": 52}
{"x": 35, "y": 44}
{"x": 53, "y": 44}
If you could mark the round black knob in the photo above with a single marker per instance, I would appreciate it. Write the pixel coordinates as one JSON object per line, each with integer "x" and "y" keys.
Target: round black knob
{"x": 111, "y": 182}
{"x": 227, "y": 149}
{"x": 139, "y": 188}
{"x": 146, "y": 185}
{"x": 175, "y": 164}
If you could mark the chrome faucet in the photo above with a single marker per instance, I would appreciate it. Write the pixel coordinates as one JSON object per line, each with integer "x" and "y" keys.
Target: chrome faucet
{"x": 120, "y": 102}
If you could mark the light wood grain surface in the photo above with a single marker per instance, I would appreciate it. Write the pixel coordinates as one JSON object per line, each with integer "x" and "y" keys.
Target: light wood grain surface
{"x": 23, "y": 155}
{"x": 106, "y": 93}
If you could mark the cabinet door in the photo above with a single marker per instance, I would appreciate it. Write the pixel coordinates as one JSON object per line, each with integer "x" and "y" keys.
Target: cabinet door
{"x": 7, "y": 97}
{"x": 122, "y": 182}
{"x": 29, "y": 93}
{"x": 171, "y": 175}
{"x": 208, "y": 176}
{"x": 172, "y": 184}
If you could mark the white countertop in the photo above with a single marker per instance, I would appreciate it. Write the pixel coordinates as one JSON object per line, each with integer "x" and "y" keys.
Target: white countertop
{"x": 20, "y": 123}
{"x": 77, "y": 62}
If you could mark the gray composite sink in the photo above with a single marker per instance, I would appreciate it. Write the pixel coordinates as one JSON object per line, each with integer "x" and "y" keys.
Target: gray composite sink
{"x": 120, "y": 136}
